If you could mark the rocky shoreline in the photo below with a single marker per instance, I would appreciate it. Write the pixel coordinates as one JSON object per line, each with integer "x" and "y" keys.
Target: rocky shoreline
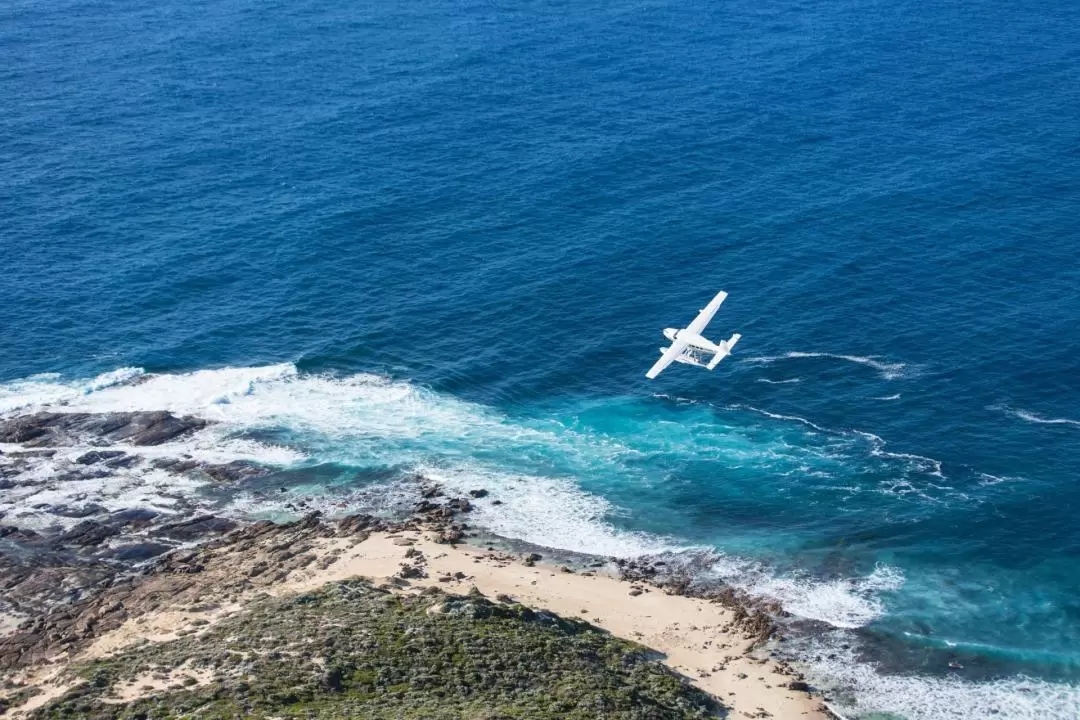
{"x": 92, "y": 570}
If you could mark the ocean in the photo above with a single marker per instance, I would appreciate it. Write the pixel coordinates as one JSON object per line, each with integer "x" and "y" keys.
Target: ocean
{"x": 375, "y": 239}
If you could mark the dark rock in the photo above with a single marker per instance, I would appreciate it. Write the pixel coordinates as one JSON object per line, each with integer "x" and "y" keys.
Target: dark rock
{"x": 32, "y": 453}
{"x": 138, "y": 552}
{"x": 799, "y": 686}
{"x": 46, "y": 429}
{"x": 449, "y": 536}
{"x": 478, "y": 493}
{"x": 133, "y": 517}
{"x": 531, "y": 559}
{"x": 80, "y": 511}
{"x": 459, "y": 505}
{"x": 235, "y": 471}
{"x": 124, "y": 461}
{"x": 356, "y": 524}
{"x": 11, "y": 532}
{"x": 195, "y": 528}
{"x": 175, "y": 465}
{"x": 87, "y": 533}
{"x": 409, "y": 572}
{"x": 96, "y": 456}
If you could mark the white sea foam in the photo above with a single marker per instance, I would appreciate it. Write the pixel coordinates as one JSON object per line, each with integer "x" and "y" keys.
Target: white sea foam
{"x": 31, "y": 501}
{"x": 988, "y": 479}
{"x": 1038, "y": 419}
{"x": 546, "y": 511}
{"x": 888, "y": 370}
{"x": 777, "y": 416}
{"x": 789, "y": 381}
{"x": 386, "y": 499}
{"x": 49, "y": 389}
{"x": 202, "y": 393}
{"x": 841, "y": 602}
{"x": 925, "y": 464}
{"x": 860, "y": 690}
{"x": 889, "y": 397}
{"x": 372, "y": 421}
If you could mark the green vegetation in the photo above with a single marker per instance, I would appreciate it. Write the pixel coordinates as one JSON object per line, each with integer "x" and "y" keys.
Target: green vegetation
{"x": 353, "y": 651}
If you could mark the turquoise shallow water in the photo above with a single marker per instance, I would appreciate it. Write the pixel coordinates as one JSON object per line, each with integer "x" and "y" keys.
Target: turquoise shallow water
{"x": 498, "y": 208}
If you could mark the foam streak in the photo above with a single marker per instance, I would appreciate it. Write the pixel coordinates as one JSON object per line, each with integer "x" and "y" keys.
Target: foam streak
{"x": 889, "y": 371}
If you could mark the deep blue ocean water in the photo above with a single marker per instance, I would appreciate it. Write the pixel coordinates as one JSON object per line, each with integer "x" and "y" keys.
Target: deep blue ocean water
{"x": 446, "y": 235}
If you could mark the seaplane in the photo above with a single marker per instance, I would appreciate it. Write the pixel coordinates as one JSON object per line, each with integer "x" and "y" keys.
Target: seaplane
{"x": 689, "y": 347}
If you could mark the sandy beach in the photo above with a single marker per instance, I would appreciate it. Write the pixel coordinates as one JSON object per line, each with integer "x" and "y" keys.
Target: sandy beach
{"x": 696, "y": 637}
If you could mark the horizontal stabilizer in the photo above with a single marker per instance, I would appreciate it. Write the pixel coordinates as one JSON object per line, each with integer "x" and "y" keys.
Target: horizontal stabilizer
{"x": 725, "y": 350}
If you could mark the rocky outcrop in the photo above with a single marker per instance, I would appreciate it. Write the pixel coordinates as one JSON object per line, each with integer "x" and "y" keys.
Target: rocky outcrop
{"x": 755, "y": 617}
{"x": 78, "y": 596}
{"x": 48, "y": 429}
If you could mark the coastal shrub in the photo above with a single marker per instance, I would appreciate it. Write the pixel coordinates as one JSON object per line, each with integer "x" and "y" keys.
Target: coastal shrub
{"x": 353, "y": 651}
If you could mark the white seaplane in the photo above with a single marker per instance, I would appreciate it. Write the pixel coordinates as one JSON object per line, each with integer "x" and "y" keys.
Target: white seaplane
{"x": 689, "y": 347}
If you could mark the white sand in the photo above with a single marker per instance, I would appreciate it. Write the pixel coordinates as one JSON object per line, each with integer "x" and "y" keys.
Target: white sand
{"x": 693, "y": 634}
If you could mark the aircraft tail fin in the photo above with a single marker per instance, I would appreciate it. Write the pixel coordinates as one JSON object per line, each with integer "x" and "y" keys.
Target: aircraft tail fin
{"x": 725, "y": 350}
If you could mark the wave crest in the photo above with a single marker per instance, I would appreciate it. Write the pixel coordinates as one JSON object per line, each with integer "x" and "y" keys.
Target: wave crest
{"x": 863, "y": 691}
{"x": 887, "y": 370}
{"x": 1037, "y": 419}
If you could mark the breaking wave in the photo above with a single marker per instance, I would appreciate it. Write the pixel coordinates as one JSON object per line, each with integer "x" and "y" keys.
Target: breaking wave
{"x": 50, "y": 389}
{"x": 862, "y": 691}
{"x": 887, "y": 370}
{"x": 1038, "y": 419}
{"x": 840, "y": 602}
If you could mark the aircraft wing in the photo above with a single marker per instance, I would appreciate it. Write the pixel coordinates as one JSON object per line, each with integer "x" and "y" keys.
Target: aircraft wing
{"x": 706, "y": 314}
{"x": 677, "y": 346}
